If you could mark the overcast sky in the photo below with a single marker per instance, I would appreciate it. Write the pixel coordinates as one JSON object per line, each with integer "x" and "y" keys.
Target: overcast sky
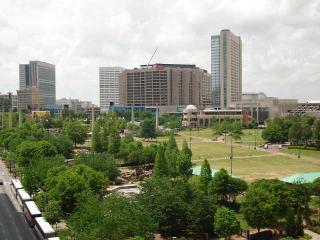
{"x": 281, "y": 40}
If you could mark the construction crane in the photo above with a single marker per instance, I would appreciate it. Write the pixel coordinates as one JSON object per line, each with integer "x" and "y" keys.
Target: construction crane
{"x": 154, "y": 53}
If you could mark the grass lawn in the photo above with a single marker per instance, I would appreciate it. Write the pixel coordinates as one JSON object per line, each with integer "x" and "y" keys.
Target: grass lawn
{"x": 248, "y": 137}
{"x": 307, "y": 153}
{"x": 266, "y": 167}
{"x": 201, "y": 133}
{"x": 202, "y": 150}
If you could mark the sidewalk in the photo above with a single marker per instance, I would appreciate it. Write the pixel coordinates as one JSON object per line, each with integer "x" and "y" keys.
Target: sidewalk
{"x": 314, "y": 235}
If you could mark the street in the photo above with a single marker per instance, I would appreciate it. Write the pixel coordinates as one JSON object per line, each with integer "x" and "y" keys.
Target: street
{"x": 13, "y": 225}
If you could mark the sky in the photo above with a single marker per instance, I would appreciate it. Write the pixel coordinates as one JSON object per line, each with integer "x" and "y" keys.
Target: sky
{"x": 280, "y": 40}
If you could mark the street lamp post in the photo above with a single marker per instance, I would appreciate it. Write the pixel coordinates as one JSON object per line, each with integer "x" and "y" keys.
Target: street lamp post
{"x": 255, "y": 139}
{"x": 231, "y": 154}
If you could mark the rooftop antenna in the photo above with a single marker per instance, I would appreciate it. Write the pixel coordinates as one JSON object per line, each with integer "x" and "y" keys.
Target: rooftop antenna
{"x": 154, "y": 53}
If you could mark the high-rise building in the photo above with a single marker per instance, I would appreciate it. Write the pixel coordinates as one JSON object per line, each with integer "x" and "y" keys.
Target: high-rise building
{"x": 109, "y": 86}
{"x": 226, "y": 69}
{"x": 165, "y": 85}
{"x": 39, "y": 75}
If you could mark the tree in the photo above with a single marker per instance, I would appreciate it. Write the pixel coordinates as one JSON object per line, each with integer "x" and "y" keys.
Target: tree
{"x": 184, "y": 166}
{"x": 186, "y": 150}
{"x": 28, "y": 151}
{"x": 316, "y": 132}
{"x": 295, "y": 133}
{"x": 148, "y": 129}
{"x": 65, "y": 184}
{"x": 96, "y": 138}
{"x": 53, "y": 212}
{"x": 226, "y": 223}
{"x": 114, "y": 143}
{"x": 264, "y": 202}
{"x": 160, "y": 168}
{"x": 202, "y": 210}
{"x": 75, "y": 131}
{"x": 102, "y": 162}
{"x": 205, "y": 176}
{"x": 86, "y": 222}
{"x": 169, "y": 204}
{"x": 224, "y": 186}
{"x": 291, "y": 224}
{"x": 63, "y": 144}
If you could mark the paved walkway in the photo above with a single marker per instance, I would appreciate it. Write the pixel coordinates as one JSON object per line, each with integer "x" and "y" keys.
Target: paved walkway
{"x": 314, "y": 235}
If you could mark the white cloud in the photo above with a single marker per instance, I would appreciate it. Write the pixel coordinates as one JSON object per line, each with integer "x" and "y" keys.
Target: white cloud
{"x": 280, "y": 40}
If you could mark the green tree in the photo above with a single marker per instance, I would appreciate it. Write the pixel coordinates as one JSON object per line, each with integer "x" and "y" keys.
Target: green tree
{"x": 53, "y": 212}
{"x": 264, "y": 202}
{"x": 75, "y": 131}
{"x": 184, "y": 166}
{"x": 63, "y": 144}
{"x": 114, "y": 142}
{"x": 102, "y": 162}
{"x": 225, "y": 186}
{"x": 202, "y": 210}
{"x": 226, "y": 223}
{"x": 161, "y": 166}
{"x": 205, "y": 176}
{"x": 316, "y": 132}
{"x": 186, "y": 150}
{"x": 96, "y": 138}
{"x": 148, "y": 129}
{"x": 168, "y": 203}
{"x": 291, "y": 224}
{"x": 295, "y": 133}
{"x": 65, "y": 184}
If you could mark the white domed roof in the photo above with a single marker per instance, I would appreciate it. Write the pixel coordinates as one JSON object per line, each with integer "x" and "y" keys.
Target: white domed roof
{"x": 191, "y": 107}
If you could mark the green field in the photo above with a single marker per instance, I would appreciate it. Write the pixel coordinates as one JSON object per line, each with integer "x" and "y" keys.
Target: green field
{"x": 266, "y": 167}
{"x": 202, "y": 149}
{"x": 307, "y": 153}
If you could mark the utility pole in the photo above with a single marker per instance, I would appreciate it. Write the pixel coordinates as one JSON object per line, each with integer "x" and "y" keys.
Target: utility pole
{"x": 157, "y": 117}
{"x": 10, "y": 110}
{"x": 231, "y": 154}
{"x": 20, "y": 118}
{"x": 132, "y": 115}
{"x": 92, "y": 118}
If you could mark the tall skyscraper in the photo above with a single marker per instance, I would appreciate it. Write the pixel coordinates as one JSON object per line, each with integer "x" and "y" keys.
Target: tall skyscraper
{"x": 166, "y": 85}
{"x": 41, "y": 77}
{"x": 226, "y": 69}
{"x": 109, "y": 86}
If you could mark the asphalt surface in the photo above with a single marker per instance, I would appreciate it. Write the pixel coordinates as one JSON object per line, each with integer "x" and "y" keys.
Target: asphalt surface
{"x": 13, "y": 225}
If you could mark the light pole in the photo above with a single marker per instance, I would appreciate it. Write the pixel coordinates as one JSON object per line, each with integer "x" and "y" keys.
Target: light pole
{"x": 255, "y": 139}
{"x": 190, "y": 136}
{"x": 231, "y": 154}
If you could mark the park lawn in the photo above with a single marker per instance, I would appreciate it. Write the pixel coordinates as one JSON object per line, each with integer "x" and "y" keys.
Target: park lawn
{"x": 274, "y": 166}
{"x": 248, "y": 137}
{"x": 201, "y": 133}
{"x": 207, "y": 149}
{"x": 202, "y": 150}
{"x": 304, "y": 152}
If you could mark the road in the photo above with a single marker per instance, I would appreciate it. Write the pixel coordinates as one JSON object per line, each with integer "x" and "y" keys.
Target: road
{"x": 13, "y": 225}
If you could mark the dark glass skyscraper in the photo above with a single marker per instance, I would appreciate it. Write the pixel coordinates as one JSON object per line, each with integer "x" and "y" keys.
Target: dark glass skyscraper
{"x": 42, "y": 76}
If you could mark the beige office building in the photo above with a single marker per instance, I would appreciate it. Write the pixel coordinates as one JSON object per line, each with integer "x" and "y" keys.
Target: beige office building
{"x": 29, "y": 98}
{"x": 226, "y": 69}
{"x": 165, "y": 85}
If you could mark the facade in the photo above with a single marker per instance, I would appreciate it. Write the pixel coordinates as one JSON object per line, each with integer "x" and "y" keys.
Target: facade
{"x": 109, "y": 86}
{"x": 165, "y": 85}
{"x": 39, "y": 75}
{"x": 261, "y": 107}
{"x": 311, "y": 109}
{"x": 14, "y": 101}
{"x": 28, "y": 98}
{"x": 226, "y": 69}
{"x": 75, "y": 104}
{"x": 194, "y": 117}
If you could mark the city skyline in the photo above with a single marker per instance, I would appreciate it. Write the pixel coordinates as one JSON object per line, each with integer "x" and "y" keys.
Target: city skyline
{"x": 279, "y": 56}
